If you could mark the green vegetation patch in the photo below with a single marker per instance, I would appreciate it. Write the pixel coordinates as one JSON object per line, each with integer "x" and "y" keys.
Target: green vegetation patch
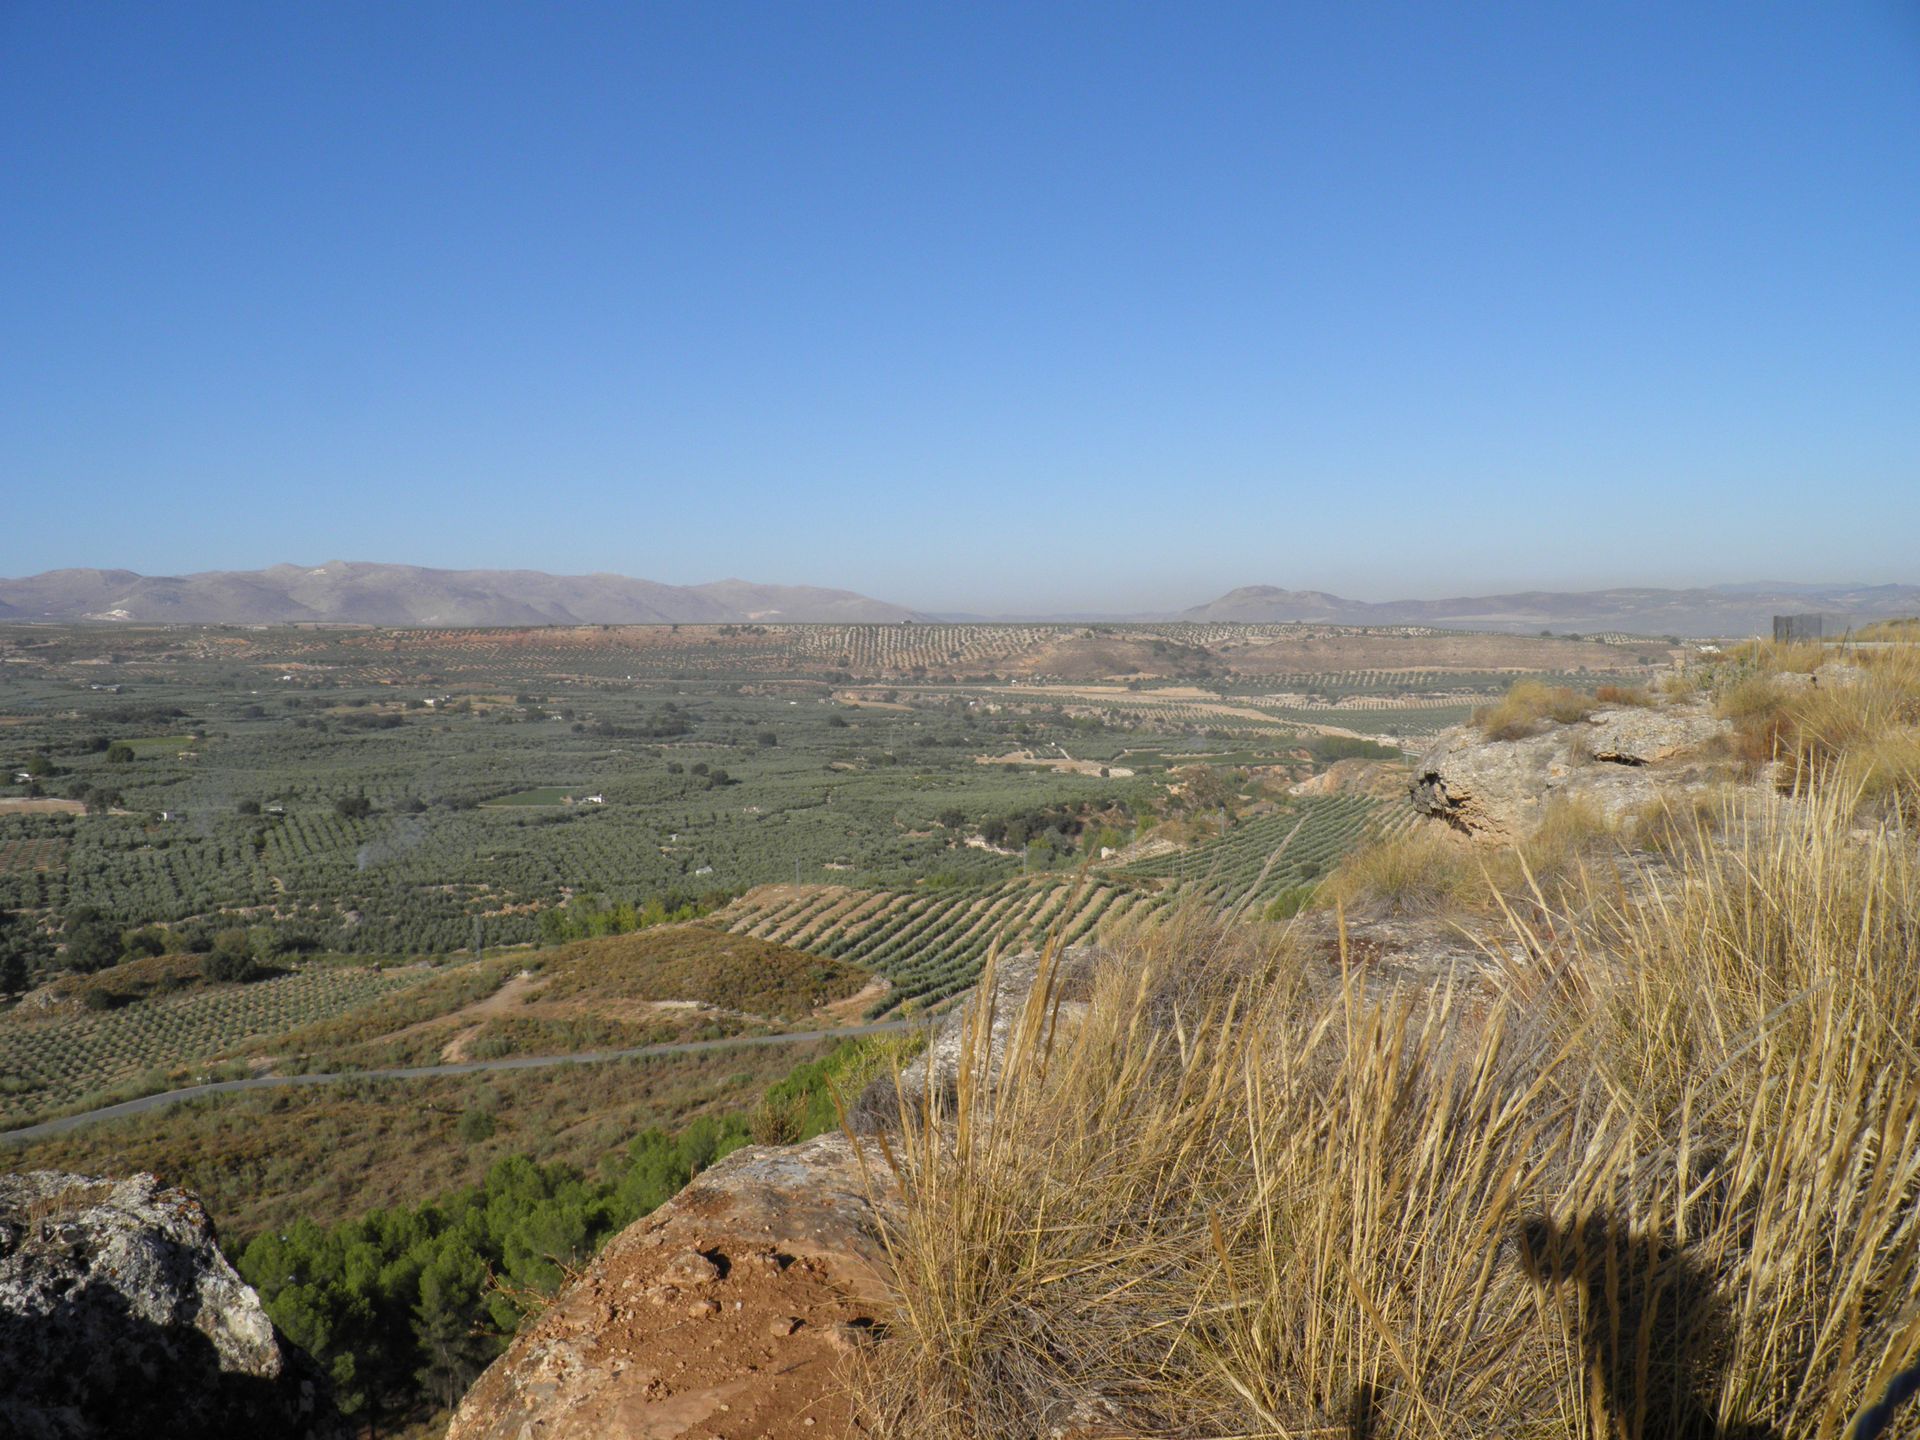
{"x": 544, "y": 796}
{"x": 1272, "y": 855}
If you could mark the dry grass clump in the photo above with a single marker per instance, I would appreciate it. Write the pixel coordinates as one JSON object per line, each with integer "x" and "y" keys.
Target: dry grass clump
{"x": 1424, "y": 871}
{"x": 1680, "y": 684}
{"x": 1856, "y": 728}
{"x": 1570, "y": 829}
{"x": 1678, "y": 821}
{"x": 1521, "y": 710}
{"x": 1635, "y": 695}
{"x": 1428, "y": 872}
{"x": 1789, "y": 656}
{"x": 1661, "y": 1181}
{"x": 1905, "y": 631}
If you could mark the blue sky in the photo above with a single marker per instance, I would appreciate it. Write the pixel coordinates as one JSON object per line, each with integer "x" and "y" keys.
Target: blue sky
{"x": 983, "y": 307}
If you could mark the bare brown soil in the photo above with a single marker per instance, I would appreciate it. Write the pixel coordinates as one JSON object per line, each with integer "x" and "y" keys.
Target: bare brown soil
{"x": 508, "y": 997}
{"x": 730, "y": 1313}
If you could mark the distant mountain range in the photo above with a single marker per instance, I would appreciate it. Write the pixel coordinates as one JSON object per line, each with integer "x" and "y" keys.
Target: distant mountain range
{"x": 344, "y": 592}
{"x": 1716, "y": 610}
{"x": 351, "y": 592}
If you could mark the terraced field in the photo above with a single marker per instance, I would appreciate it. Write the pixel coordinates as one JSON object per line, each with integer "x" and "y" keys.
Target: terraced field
{"x": 931, "y": 945}
{"x": 1303, "y": 841}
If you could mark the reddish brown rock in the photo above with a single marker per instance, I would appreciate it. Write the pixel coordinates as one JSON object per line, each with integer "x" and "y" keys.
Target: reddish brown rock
{"x": 727, "y": 1312}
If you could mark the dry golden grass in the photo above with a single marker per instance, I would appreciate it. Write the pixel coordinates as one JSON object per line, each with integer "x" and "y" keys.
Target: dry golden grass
{"x": 1854, "y": 729}
{"x": 1522, "y": 709}
{"x": 1424, "y": 871}
{"x": 1572, "y": 830}
{"x": 1678, "y": 820}
{"x": 1795, "y": 656}
{"x": 1662, "y": 1179}
{"x": 1430, "y": 872}
{"x": 1636, "y": 695}
{"x": 1680, "y": 684}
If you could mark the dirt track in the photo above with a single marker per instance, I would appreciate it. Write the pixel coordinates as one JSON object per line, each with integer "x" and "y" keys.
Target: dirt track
{"x": 430, "y": 1072}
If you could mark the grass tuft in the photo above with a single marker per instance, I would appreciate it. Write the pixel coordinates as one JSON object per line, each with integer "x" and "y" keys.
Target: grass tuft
{"x": 1527, "y": 706}
{"x": 1658, "y": 1179}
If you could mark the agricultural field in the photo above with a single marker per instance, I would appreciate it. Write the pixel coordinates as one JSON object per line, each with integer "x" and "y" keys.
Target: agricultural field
{"x": 891, "y": 800}
{"x": 1264, "y": 858}
{"x": 930, "y": 945}
{"x": 388, "y": 793}
{"x": 52, "y": 1060}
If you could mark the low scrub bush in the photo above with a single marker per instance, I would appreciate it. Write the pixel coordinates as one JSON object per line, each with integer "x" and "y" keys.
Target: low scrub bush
{"x": 225, "y": 964}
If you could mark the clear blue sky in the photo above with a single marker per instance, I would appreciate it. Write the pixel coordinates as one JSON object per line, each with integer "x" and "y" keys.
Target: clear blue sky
{"x": 981, "y": 307}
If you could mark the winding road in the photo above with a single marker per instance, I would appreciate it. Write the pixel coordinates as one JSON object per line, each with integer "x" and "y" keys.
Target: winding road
{"x": 432, "y": 1072}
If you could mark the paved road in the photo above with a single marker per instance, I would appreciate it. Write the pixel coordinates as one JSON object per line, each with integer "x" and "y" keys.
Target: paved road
{"x": 431, "y": 1072}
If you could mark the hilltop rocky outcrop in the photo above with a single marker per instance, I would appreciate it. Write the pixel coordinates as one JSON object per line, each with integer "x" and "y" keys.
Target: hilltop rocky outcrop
{"x": 727, "y": 1312}
{"x": 1616, "y": 760}
{"x": 731, "y": 1310}
{"x": 119, "y": 1316}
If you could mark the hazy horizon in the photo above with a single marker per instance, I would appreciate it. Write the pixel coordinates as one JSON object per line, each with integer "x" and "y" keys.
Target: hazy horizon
{"x": 980, "y": 309}
{"x": 1091, "y": 605}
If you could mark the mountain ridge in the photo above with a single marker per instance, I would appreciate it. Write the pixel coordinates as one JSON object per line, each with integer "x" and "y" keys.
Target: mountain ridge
{"x": 371, "y": 593}
{"x": 1636, "y": 609}
{"x": 342, "y": 592}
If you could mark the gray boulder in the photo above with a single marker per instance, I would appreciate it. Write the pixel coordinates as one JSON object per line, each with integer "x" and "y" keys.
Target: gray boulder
{"x": 1635, "y": 736}
{"x": 119, "y": 1316}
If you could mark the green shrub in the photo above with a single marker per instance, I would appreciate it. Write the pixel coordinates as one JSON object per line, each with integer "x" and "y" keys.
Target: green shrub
{"x": 228, "y": 965}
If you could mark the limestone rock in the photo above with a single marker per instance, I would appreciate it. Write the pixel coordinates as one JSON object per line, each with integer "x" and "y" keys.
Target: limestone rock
{"x": 120, "y": 1316}
{"x": 790, "y": 1267}
{"x": 1617, "y": 760}
{"x": 1636, "y": 736}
